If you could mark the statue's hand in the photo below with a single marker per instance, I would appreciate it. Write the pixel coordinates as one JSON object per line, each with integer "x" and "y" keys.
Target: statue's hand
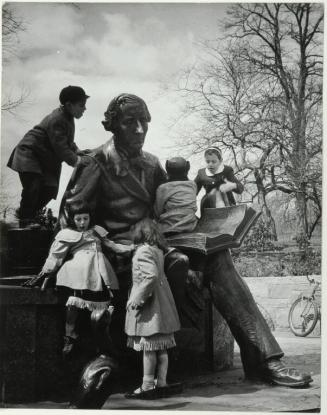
{"x": 132, "y": 305}
{"x": 195, "y": 278}
{"x": 84, "y": 160}
{"x": 84, "y": 152}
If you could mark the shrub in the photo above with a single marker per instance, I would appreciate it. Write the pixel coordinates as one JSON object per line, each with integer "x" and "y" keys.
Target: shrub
{"x": 46, "y": 219}
{"x": 277, "y": 264}
{"x": 308, "y": 262}
{"x": 260, "y": 238}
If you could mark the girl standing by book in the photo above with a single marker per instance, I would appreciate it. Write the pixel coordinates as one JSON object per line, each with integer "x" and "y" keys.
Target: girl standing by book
{"x": 151, "y": 317}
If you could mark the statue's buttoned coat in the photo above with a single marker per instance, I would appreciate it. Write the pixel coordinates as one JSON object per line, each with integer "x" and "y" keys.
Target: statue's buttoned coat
{"x": 151, "y": 291}
{"x": 121, "y": 191}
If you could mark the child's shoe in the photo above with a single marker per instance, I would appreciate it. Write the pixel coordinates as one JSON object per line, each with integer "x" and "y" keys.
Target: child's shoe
{"x": 69, "y": 346}
{"x": 143, "y": 394}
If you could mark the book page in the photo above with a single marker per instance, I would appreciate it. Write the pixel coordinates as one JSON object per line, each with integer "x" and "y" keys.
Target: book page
{"x": 220, "y": 221}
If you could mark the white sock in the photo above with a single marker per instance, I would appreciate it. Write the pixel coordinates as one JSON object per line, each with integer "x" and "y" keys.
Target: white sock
{"x": 148, "y": 382}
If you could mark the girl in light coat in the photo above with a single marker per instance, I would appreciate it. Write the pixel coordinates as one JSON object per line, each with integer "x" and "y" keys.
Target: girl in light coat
{"x": 76, "y": 254}
{"x": 151, "y": 317}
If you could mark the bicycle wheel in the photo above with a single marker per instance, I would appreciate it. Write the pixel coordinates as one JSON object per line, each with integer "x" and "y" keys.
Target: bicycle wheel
{"x": 303, "y": 316}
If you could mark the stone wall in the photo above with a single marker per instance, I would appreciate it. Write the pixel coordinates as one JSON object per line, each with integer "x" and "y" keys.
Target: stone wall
{"x": 276, "y": 294}
{"x": 31, "y": 333}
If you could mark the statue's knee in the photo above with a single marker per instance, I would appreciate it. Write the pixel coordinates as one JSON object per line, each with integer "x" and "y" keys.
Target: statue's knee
{"x": 176, "y": 263}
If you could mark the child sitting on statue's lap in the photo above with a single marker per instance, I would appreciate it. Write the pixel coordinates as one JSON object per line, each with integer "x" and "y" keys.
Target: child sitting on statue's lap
{"x": 83, "y": 269}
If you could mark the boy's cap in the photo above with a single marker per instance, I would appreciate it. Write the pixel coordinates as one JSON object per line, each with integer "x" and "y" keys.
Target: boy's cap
{"x": 72, "y": 94}
{"x": 177, "y": 166}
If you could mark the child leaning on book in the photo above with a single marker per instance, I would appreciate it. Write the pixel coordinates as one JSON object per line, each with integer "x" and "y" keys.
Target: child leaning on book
{"x": 38, "y": 156}
{"x": 83, "y": 269}
{"x": 151, "y": 317}
{"x": 218, "y": 181}
{"x": 175, "y": 204}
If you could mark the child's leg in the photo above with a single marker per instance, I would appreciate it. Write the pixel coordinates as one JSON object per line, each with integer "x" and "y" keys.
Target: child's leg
{"x": 70, "y": 330}
{"x": 32, "y": 183}
{"x": 149, "y": 367}
{"x": 162, "y": 357}
{"x": 71, "y": 319}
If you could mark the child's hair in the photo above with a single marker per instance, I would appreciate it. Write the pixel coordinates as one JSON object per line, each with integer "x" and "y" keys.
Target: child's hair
{"x": 177, "y": 168}
{"x": 78, "y": 211}
{"x": 213, "y": 150}
{"x": 146, "y": 230}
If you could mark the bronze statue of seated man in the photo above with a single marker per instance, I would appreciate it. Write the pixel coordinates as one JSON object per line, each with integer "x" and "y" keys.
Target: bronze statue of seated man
{"x": 119, "y": 183}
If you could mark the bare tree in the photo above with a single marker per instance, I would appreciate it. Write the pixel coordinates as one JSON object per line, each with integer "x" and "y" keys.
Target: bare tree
{"x": 284, "y": 42}
{"x": 258, "y": 94}
{"x": 12, "y": 25}
{"x": 230, "y": 103}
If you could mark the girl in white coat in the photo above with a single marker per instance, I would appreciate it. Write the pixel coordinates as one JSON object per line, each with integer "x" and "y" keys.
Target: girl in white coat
{"x": 76, "y": 254}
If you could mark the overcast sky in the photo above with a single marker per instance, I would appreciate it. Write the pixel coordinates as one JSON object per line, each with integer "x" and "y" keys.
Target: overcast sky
{"x": 107, "y": 49}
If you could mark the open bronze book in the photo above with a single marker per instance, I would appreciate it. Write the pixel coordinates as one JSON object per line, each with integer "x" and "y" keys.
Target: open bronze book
{"x": 217, "y": 229}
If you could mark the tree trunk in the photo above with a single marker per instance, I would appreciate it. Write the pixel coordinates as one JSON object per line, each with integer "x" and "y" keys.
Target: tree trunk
{"x": 302, "y": 226}
{"x": 266, "y": 212}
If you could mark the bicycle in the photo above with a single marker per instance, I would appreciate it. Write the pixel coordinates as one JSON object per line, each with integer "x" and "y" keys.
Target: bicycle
{"x": 305, "y": 312}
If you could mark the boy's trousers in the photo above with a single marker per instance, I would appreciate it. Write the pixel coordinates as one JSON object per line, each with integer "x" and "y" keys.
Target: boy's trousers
{"x": 35, "y": 194}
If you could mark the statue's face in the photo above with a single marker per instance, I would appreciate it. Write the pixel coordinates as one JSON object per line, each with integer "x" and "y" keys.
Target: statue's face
{"x": 132, "y": 127}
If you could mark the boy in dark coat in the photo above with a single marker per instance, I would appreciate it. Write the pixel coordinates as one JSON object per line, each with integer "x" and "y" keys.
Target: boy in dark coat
{"x": 175, "y": 204}
{"x": 38, "y": 156}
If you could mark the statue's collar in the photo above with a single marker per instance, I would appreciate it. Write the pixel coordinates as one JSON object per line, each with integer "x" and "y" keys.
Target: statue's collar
{"x": 120, "y": 162}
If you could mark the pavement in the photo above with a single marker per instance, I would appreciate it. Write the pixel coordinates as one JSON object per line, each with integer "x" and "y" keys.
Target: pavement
{"x": 227, "y": 390}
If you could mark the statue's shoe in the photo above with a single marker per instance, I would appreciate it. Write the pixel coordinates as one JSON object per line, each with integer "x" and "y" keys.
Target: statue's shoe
{"x": 275, "y": 372}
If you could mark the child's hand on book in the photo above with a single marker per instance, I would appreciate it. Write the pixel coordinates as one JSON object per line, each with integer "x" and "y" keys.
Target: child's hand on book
{"x": 133, "y": 305}
{"x": 227, "y": 186}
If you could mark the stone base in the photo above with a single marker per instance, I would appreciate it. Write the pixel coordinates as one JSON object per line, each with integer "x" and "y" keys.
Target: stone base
{"x": 31, "y": 326}
{"x": 27, "y": 249}
{"x": 31, "y": 331}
